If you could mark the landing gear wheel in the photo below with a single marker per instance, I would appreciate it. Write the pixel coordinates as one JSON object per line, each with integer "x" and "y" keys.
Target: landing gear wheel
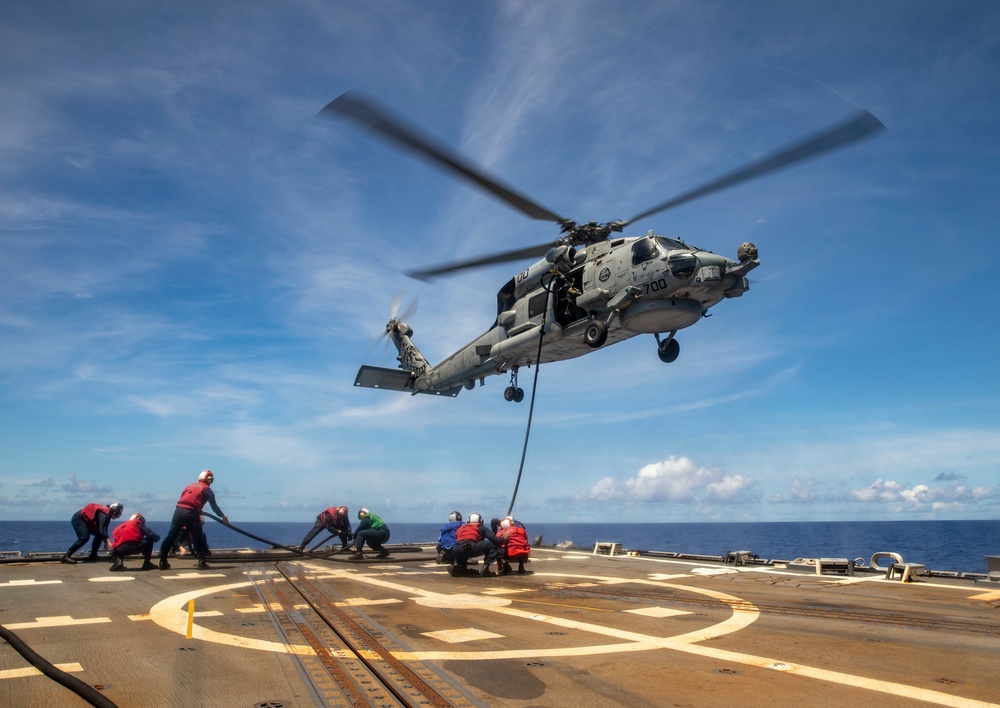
{"x": 509, "y": 393}
{"x": 668, "y": 351}
{"x": 518, "y": 395}
{"x": 595, "y": 334}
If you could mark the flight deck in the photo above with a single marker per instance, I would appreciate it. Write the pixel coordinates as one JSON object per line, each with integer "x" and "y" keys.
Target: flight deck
{"x": 579, "y": 628}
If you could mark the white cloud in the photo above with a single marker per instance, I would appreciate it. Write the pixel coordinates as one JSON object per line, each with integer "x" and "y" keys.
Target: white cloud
{"x": 677, "y": 480}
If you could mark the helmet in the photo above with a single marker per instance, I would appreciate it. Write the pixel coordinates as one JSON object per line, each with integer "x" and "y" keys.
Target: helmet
{"x": 138, "y": 517}
{"x": 475, "y": 519}
{"x": 505, "y": 524}
{"x": 454, "y": 516}
{"x": 362, "y": 513}
{"x": 206, "y": 476}
{"x": 342, "y": 510}
{"x": 115, "y": 510}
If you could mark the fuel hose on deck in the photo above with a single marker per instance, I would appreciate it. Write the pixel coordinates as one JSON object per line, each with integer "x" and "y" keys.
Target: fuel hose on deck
{"x": 84, "y": 690}
{"x": 293, "y": 549}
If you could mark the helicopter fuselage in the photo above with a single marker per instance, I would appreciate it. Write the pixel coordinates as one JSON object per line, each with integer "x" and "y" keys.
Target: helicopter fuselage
{"x": 576, "y": 300}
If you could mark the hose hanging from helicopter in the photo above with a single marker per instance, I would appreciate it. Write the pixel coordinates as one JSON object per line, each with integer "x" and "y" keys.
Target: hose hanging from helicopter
{"x": 556, "y": 276}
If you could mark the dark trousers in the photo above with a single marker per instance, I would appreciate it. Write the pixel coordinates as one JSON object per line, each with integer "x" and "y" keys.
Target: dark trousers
{"x": 83, "y": 532}
{"x": 319, "y": 526}
{"x": 464, "y": 551}
{"x": 374, "y": 537}
{"x": 130, "y": 548}
{"x": 191, "y": 520}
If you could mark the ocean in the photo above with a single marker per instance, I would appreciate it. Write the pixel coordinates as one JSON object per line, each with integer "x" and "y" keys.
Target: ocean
{"x": 957, "y": 546}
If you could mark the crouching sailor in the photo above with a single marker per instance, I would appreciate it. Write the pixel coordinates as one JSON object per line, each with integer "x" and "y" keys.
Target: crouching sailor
{"x": 133, "y": 537}
{"x": 446, "y": 541}
{"x": 513, "y": 545}
{"x": 473, "y": 539}
{"x": 372, "y": 530}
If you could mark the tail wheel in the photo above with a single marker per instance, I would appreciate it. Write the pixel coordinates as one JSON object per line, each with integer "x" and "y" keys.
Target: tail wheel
{"x": 595, "y": 334}
{"x": 668, "y": 351}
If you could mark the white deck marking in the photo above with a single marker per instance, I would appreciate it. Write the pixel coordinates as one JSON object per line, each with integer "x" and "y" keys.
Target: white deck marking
{"x": 363, "y": 601}
{"x": 189, "y": 576}
{"x": 111, "y": 579}
{"x": 987, "y": 596}
{"x": 658, "y": 612}
{"x": 32, "y": 671}
{"x": 455, "y": 636}
{"x": 60, "y": 621}
{"x": 29, "y": 583}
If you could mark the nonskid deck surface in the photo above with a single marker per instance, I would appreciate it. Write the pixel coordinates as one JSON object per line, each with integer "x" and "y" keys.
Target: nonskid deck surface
{"x": 577, "y": 629}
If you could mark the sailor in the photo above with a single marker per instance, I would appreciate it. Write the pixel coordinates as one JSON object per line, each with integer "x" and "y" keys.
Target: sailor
{"x": 92, "y": 520}
{"x": 133, "y": 537}
{"x": 514, "y": 546}
{"x": 335, "y": 519}
{"x": 473, "y": 539}
{"x": 372, "y": 530}
{"x": 188, "y": 514}
{"x": 446, "y": 541}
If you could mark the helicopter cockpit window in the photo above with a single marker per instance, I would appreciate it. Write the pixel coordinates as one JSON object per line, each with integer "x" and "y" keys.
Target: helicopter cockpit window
{"x": 682, "y": 265}
{"x": 537, "y": 304}
{"x": 644, "y": 250}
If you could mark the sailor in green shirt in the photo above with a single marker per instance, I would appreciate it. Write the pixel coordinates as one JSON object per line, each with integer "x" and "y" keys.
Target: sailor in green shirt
{"x": 373, "y": 530}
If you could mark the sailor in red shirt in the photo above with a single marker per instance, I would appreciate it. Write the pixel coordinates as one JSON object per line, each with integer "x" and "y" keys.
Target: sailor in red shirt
{"x": 188, "y": 514}
{"x": 335, "y": 520}
{"x": 131, "y": 537}
{"x": 92, "y": 520}
{"x": 514, "y": 545}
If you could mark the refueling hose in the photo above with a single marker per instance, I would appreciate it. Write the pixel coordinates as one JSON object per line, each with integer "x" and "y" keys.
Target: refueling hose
{"x": 84, "y": 690}
{"x": 272, "y": 544}
{"x": 531, "y": 408}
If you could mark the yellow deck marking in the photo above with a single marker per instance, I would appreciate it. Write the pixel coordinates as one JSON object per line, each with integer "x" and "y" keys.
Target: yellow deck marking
{"x": 455, "y": 636}
{"x": 29, "y": 583}
{"x": 61, "y": 621}
{"x": 32, "y": 671}
{"x": 657, "y": 612}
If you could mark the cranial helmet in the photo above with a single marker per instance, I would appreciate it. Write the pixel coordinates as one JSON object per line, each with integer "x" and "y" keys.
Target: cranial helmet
{"x": 505, "y": 524}
{"x": 206, "y": 476}
{"x": 342, "y": 510}
{"x": 475, "y": 519}
{"x": 115, "y": 510}
{"x": 454, "y": 516}
{"x": 138, "y": 517}
{"x": 362, "y": 513}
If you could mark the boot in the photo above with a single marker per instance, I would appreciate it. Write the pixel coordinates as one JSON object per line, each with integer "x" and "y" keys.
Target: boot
{"x": 202, "y": 565}
{"x": 357, "y": 556}
{"x": 164, "y": 565}
{"x": 92, "y": 558}
{"x": 520, "y": 567}
{"x": 148, "y": 565}
{"x": 67, "y": 559}
{"x": 486, "y": 572}
{"x": 117, "y": 564}
{"x": 383, "y": 554}
{"x": 504, "y": 569}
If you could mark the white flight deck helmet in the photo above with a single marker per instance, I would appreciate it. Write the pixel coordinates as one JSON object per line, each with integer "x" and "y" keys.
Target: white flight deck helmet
{"x": 115, "y": 510}
{"x": 454, "y": 516}
{"x": 362, "y": 513}
{"x": 206, "y": 476}
{"x": 475, "y": 519}
{"x": 138, "y": 517}
{"x": 505, "y": 524}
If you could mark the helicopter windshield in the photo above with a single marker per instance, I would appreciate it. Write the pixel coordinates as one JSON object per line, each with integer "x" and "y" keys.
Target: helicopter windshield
{"x": 644, "y": 250}
{"x": 670, "y": 244}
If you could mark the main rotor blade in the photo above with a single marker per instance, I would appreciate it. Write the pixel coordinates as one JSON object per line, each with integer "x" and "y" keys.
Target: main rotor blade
{"x": 860, "y": 126}
{"x": 369, "y": 114}
{"x": 519, "y": 254}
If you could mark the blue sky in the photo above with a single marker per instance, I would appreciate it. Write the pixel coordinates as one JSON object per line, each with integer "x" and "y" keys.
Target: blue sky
{"x": 193, "y": 266}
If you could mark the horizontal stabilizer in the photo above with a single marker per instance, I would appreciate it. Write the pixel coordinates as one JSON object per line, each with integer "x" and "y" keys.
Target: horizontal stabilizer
{"x": 394, "y": 380}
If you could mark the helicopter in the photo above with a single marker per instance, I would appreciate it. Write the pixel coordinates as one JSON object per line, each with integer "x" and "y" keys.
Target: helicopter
{"x": 590, "y": 287}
